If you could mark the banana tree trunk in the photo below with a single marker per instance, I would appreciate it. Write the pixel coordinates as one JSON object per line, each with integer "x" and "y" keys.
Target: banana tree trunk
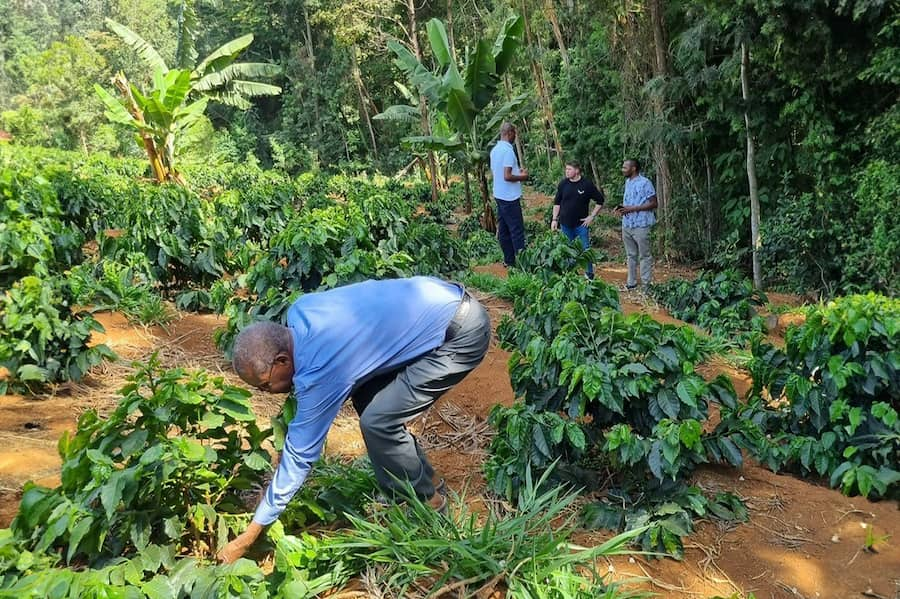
{"x": 488, "y": 221}
{"x": 468, "y": 188}
{"x": 156, "y": 164}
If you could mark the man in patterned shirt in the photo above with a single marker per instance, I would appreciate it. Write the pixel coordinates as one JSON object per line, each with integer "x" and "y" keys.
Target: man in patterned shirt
{"x": 637, "y": 218}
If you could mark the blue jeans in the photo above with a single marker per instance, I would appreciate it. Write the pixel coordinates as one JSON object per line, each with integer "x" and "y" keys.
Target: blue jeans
{"x": 510, "y": 229}
{"x": 582, "y": 233}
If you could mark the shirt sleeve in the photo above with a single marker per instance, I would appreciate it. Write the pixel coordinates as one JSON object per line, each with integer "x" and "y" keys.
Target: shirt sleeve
{"x": 557, "y": 200}
{"x": 316, "y": 410}
{"x": 509, "y": 159}
{"x": 649, "y": 190}
{"x": 597, "y": 194}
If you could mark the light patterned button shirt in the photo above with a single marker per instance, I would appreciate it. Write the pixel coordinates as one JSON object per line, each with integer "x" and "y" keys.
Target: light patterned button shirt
{"x": 637, "y": 192}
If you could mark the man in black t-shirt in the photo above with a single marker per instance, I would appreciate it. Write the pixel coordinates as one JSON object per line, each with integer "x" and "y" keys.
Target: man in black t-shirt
{"x": 570, "y": 210}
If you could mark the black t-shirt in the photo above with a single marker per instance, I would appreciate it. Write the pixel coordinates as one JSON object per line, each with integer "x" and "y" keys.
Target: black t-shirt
{"x": 573, "y": 200}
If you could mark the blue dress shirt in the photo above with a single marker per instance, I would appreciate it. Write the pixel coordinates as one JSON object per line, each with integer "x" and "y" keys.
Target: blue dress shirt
{"x": 342, "y": 336}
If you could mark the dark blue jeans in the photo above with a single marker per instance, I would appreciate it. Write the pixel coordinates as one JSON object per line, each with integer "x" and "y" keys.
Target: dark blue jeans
{"x": 582, "y": 233}
{"x": 510, "y": 229}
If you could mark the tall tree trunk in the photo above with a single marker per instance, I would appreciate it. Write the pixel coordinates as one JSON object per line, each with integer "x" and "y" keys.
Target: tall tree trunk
{"x": 488, "y": 222}
{"x": 751, "y": 166}
{"x": 363, "y": 104}
{"x": 594, "y": 171}
{"x": 450, "y": 29}
{"x": 423, "y": 107}
{"x": 660, "y": 153}
{"x": 468, "y": 188}
{"x": 538, "y": 72}
{"x": 550, "y": 11}
{"x": 311, "y": 60}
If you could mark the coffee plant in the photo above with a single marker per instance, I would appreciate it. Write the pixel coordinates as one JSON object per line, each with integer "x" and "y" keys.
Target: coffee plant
{"x": 724, "y": 303}
{"x": 175, "y": 454}
{"x": 604, "y": 392}
{"x": 826, "y": 404}
{"x": 42, "y": 338}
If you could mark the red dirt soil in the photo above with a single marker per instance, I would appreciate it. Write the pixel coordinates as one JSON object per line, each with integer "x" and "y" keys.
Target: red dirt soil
{"x": 803, "y": 539}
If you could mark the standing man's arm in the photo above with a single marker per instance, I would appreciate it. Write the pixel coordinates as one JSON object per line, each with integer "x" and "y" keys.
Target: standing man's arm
{"x": 302, "y": 447}
{"x": 599, "y": 199}
{"x": 509, "y": 161}
{"x": 557, "y": 201}
{"x": 650, "y": 203}
{"x": 509, "y": 176}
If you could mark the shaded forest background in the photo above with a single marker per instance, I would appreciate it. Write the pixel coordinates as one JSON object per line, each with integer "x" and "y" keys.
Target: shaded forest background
{"x": 658, "y": 80}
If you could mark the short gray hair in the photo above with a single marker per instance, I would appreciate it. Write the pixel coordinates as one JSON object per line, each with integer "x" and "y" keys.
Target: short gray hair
{"x": 505, "y": 128}
{"x": 257, "y": 345}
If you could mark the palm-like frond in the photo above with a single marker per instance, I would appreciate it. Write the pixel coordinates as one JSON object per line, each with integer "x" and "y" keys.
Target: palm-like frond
{"x": 236, "y": 71}
{"x": 139, "y": 45}
{"x": 399, "y": 113}
{"x": 186, "y": 53}
{"x": 223, "y": 56}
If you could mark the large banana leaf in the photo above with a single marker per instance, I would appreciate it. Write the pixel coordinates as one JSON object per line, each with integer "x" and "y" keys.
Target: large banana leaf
{"x": 508, "y": 41}
{"x": 229, "y": 97}
{"x": 481, "y": 77}
{"x": 251, "y": 89}
{"x": 440, "y": 45}
{"x": 186, "y": 115}
{"x": 186, "y": 52}
{"x": 224, "y": 55}
{"x": 421, "y": 78}
{"x": 139, "y": 45}
{"x": 434, "y": 143}
{"x": 460, "y": 110}
{"x": 502, "y": 114}
{"x": 177, "y": 88}
{"x": 399, "y": 113}
{"x": 115, "y": 112}
{"x": 239, "y": 70}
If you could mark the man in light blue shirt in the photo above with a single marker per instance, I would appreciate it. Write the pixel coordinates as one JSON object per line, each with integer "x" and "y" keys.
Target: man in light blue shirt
{"x": 637, "y": 218}
{"x": 508, "y": 179}
{"x": 395, "y": 345}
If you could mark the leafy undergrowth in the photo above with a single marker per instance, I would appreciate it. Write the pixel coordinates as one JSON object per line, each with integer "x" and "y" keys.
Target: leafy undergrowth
{"x": 723, "y": 303}
{"x": 43, "y": 339}
{"x": 826, "y": 405}
{"x": 150, "y": 492}
{"x": 611, "y": 398}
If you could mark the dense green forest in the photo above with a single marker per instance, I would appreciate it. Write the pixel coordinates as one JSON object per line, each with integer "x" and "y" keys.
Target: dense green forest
{"x": 809, "y": 88}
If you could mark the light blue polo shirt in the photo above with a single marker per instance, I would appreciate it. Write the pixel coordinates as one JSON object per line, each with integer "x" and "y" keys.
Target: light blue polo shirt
{"x": 504, "y": 155}
{"x": 342, "y": 336}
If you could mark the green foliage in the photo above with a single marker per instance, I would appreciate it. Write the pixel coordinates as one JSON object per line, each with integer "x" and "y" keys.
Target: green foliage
{"x": 173, "y": 107}
{"x": 335, "y": 490}
{"x": 42, "y": 340}
{"x": 33, "y": 238}
{"x": 109, "y": 285}
{"x": 528, "y": 551}
{"x": 162, "y": 468}
{"x": 666, "y": 519}
{"x": 602, "y": 390}
{"x": 723, "y": 303}
{"x": 372, "y": 234}
{"x": 482, "y": 247}
{"x": 551, "y": 254}
{"x": 826, "y": 405}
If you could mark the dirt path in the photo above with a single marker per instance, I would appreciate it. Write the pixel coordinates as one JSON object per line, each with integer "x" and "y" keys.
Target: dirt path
{"x": 803, "y": 539}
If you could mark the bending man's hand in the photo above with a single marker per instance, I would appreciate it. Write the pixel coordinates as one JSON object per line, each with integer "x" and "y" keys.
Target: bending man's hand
{"x": 236, "y": 549}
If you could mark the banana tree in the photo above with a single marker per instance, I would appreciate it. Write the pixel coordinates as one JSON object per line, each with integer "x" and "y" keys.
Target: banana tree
{"x": 177, "y": 98}
{"x": 464, "y": 99}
